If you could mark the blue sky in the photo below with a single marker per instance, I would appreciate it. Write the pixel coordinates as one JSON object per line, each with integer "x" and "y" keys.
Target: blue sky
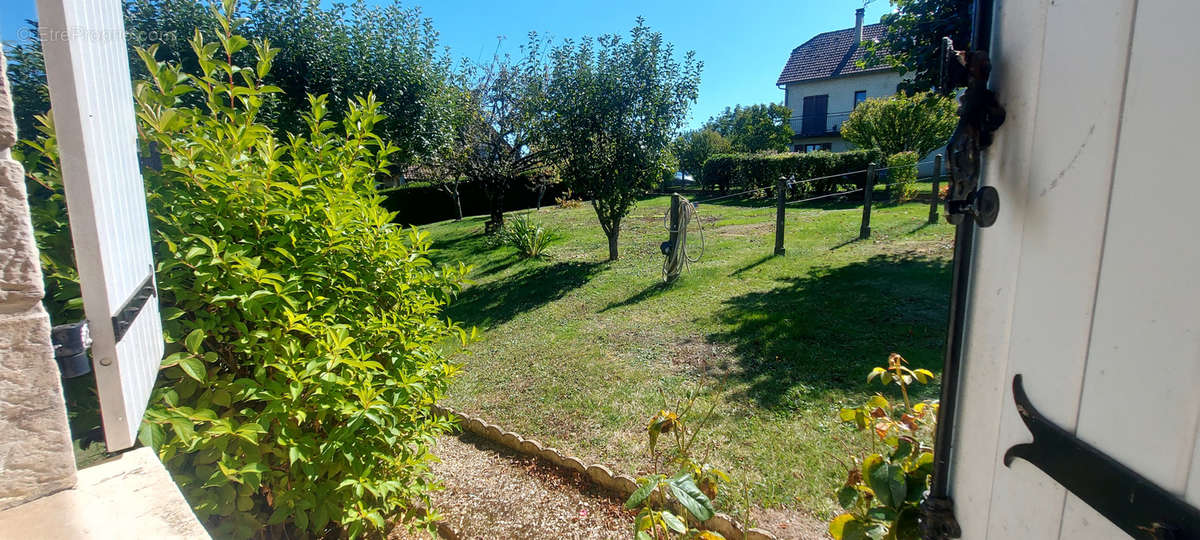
{"x": 743, "y": 44}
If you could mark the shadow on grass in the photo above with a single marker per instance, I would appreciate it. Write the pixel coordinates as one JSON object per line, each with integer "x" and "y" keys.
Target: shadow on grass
{"x": 752, "y": 265}
{"x": 646, "y": 294}
{"x": 825, "y": 331}
{"x": 494, "y": 303}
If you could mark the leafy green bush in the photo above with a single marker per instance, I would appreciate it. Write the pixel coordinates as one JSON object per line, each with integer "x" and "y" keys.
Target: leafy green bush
{"x": 902, "y": 174}
{"x": 753, "y": 171}
{"x": 303, "y": 328}
{"x": 883, "y": 492}
{"x": 920, "y": 123}
{"x": 528, "y": 236}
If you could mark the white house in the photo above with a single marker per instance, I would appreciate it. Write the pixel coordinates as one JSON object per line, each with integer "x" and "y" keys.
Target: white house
{"x": 823, "y": 82}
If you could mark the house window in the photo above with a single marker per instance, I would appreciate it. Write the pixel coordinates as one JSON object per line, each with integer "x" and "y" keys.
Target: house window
{"x": 817, "y": 146}
{"x": 859, "y": 97}
{"x": 815, "y": 119}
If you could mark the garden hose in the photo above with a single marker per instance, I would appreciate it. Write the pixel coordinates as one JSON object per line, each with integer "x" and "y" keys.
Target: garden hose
{"x": 675, "y": 251}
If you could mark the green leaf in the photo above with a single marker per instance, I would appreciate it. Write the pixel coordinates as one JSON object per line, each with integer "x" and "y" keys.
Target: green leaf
{"x": 904, "y": 447}
{"x": 855, "y": 530}
{"x": 684, "y": 489}
{"x": 673, "y": 522}
{"x": 193, "y": 339}
{"x": 888, "y": 483}
{"x": 923, "y": 375}
{"x": 183, "y": 429}
{"x": 172, "y": 359}
{"x": 642, "y": 492}
{"x": 151, "y": 434}
{"x": 193, "y": 367}
{"x": 847, "y": 496}
{"x": 882, "y": 513}
{"x": 171, "y": 313}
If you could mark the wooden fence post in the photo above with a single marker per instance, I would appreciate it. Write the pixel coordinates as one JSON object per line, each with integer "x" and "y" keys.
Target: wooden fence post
{"x": 781, "y": 199}
{"x": 864, "y": 232}
{"x": 937, "y": 176}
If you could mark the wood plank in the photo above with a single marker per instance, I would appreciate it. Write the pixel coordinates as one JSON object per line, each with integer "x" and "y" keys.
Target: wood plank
{"x": 88, "y": 73}
{"x": 1079, "y": 96}
{"x": 1139, "y": 402}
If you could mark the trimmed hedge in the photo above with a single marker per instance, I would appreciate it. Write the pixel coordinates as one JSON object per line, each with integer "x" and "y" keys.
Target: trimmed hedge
{"x": 420, "y": 203}
{"x": 753, "y": 171}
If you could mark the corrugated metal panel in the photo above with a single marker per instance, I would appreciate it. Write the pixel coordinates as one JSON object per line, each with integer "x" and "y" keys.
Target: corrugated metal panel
{"x": 88, "y": 72}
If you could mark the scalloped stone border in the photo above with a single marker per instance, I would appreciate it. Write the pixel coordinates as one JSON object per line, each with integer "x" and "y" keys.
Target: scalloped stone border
{"x": 621, "y": 484}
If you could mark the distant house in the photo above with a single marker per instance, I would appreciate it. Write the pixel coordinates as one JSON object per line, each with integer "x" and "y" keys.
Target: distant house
{"x": 822, "y": 83}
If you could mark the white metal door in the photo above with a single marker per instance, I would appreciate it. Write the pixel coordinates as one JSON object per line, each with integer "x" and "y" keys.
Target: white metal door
{"x": 1089, "y": 283}
{"x": 88, "y": 73}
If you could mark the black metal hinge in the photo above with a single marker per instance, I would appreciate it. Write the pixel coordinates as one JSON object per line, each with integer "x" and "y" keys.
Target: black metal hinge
{"x": 1127, "y": 499}
{"x": 129, "y": 312}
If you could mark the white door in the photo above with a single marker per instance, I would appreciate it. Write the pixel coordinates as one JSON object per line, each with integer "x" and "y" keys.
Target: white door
{"x": 88, "y": 73}
{"x": 1088, "y": 286}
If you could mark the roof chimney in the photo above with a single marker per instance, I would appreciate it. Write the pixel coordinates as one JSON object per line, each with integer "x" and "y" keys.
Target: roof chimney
{"x": 858, "y": 18}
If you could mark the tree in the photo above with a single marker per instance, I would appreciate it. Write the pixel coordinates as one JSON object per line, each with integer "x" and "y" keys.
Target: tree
{"x": 504, "y": 137}
{"x": 542, "y": 180}
{"x": 919, "y": 123}
{"x": 617, "y": 103}
{"x": 754, "y": 128}
{"x": 341, "y": 51}
{"x": 694, "y": 147}
{"x": 445, "y": 166}
{"x": 912, "y": 43}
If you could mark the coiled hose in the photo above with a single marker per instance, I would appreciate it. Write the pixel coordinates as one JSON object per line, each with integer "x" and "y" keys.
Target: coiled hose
{"x": 675, "y": 254}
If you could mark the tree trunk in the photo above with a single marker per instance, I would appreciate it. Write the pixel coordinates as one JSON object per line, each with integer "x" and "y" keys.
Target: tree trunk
{"x": 613, "y": 234}
{"x": 541, "y": 193}
{"x": 458, "y": 204}
{"x": 497, "y": 214}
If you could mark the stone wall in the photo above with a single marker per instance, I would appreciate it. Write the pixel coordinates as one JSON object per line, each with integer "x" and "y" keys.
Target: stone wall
{"x": 35, "y": 443}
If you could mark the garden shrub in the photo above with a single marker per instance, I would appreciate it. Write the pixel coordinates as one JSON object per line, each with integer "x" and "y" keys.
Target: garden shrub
{"x": 529, "y": 237}
{"x": 754, "y": 171}
{"x": 677, "y": 496}
{"x": 902, "y": 174}
{"x": 883, "y": 491}
{"x": 303, "y": 328}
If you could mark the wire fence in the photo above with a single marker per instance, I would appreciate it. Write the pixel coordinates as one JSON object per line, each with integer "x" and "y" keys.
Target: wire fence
{"x": 784, "y": 186}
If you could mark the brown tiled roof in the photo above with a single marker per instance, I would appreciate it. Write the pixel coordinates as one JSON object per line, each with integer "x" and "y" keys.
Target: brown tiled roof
{"x": 831, "y": 54}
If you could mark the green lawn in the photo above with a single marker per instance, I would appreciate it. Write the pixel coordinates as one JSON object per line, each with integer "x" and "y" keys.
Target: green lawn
{"x": 575, "y": 351}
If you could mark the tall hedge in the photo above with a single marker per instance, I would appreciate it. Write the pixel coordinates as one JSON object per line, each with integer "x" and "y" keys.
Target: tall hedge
{"x": 753, "y": 171}
{"x": 422, "y": 203}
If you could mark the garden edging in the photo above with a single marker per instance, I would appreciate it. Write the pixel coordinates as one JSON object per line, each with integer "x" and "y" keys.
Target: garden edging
{"x": 620, "y": 484}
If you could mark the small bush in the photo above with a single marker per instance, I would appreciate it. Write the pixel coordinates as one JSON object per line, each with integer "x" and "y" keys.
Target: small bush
{"x": 753, "y": 171}
{"x": 902, "y": 174}
{"x": 528, "y": 236}
{"x": 883, "y": 491}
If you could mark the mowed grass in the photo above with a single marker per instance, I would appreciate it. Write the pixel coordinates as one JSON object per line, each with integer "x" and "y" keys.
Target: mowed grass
{"x": 578, "y": 353}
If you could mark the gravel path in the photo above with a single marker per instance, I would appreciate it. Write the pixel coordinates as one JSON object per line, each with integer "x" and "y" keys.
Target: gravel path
{"x": 494, "y": 493}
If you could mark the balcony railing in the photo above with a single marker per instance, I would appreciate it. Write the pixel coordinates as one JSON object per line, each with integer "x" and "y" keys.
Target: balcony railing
{"x": 818, "y": 125}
